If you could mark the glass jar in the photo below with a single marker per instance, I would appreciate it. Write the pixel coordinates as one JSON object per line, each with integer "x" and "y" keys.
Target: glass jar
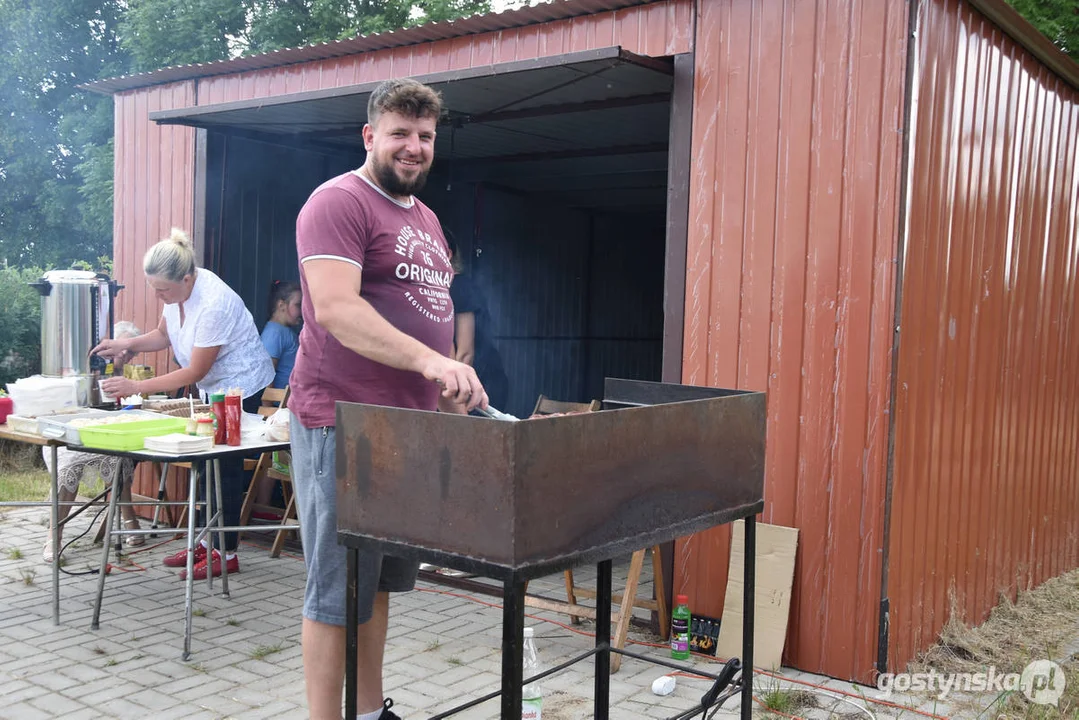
{"x": 205, "y": 427}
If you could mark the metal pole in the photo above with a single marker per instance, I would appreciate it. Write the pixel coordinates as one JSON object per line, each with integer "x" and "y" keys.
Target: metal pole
{"x": 513, "y": 616}
{"x": 220, "y": 530}
{"x": 162, "y": 482}
{"x": 103, "y": 569}
{"x": 55, "y": 538}
{"x": 602, "y": 702}
{"x": 748, "y": 603}
{"x": 351, "y": 628}
{"x": 189, "y": 583}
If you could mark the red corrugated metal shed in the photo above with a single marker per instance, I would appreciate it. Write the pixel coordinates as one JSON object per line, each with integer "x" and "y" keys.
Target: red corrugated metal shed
{"x": 789, "y": 289}
{"x": 794, "y": 230}
{"x": 986, "y": 500}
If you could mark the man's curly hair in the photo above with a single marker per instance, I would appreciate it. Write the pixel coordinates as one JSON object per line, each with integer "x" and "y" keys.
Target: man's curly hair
{"x": 405, "y": 96}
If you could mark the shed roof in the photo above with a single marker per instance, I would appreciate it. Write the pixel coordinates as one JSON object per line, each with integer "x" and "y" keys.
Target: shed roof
{"x": 600, "y": 113}
{"x": 530, "y": 15}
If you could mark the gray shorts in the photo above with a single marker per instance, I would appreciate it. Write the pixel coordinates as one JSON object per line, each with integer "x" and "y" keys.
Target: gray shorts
{"x": 314, "y": 478}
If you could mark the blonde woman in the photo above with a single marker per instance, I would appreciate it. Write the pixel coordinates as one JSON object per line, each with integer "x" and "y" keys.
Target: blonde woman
{"x": 213, "y": 337}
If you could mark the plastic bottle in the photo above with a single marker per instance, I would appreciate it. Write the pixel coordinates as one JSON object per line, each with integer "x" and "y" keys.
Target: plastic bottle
{"x": 531, "y": 695}
{"x": 680, "y": 620}
{"x": 218, "y": 401}
{"x": 233, "y": 415}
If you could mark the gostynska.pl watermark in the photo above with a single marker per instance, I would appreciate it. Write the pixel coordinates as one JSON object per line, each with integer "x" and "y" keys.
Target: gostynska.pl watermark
{"x": 1042, "y": 682}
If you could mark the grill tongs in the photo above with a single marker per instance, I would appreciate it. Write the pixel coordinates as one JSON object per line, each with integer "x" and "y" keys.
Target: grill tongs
{"x": 496, "y": 414}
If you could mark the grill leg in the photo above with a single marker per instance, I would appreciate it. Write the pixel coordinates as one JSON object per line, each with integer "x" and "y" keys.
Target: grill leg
{"x": 513, "y": 616}
{"x": 351, "y": 628}
{"x": 602, "y": 702}
{"x": 748, "y": 603}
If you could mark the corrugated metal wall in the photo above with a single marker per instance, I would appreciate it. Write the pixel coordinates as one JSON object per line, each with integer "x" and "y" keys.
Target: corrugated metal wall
{"x": 789, "y": 289}
{"x": 573, "y": 294}
{"x": 985, "y": 493}
{"x": 251, "y": 209}
{"x": 154, "y": 191}
{"x": 154, "y": 180}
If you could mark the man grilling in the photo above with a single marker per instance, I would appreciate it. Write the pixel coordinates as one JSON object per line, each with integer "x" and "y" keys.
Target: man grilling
{"x": 376, "y": 273}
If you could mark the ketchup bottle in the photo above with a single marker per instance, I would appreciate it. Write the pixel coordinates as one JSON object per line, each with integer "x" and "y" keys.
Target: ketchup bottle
{"x": 218, "y": 401}
{"x": 233, "y": 414}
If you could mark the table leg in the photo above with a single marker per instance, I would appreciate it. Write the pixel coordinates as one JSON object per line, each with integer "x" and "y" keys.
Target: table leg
{"x": 351, "y": 641}
{"x": 602, "y": 700}
{"x": 189, "y": 584}
{"x": 161, "y": 484}
{"x": 208, "y": 518}
{"x": 103, "y": 569}
{"x": 55, "y": 477}
{"x": 220, "y": 533}
{"x": 748, "y": 606}
{"x": 513, "y": 615}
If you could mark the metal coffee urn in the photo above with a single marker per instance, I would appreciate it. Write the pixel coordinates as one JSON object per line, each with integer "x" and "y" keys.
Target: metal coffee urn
{"x": 76, "y": 314}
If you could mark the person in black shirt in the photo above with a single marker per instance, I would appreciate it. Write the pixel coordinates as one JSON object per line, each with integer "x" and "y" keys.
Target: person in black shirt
{"x": 472, "y": 340}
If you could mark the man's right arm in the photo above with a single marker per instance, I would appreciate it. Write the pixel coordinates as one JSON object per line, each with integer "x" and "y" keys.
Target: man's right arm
{"x": 334, "y": 288}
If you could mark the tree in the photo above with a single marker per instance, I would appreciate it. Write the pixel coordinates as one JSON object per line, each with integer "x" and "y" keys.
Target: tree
{"x": 50, "y": 126}
{"x": 162, "y": 33}
{"x": 276, "y": 24}
{"x": 56, "y": 155}
{"x": 1058, "y": 20}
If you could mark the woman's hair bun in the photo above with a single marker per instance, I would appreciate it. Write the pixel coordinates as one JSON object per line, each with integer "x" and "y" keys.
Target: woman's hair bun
{"x": 179, "y": 237}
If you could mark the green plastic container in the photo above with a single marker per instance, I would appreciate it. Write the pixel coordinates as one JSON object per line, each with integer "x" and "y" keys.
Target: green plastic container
{"x": 129, "y": 435}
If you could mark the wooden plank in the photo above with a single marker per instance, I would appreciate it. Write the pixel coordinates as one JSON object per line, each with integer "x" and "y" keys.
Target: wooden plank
{"x": 579, "y": 591}
{"x": 560, "y": 607}
{"x": 626, "y": 610}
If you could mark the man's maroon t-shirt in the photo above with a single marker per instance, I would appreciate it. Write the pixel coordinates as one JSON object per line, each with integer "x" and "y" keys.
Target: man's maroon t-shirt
{"x": 406, "y": 276}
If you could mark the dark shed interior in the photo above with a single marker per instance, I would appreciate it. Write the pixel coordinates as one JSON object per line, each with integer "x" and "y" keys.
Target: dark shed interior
{"x": 551, "y": 175}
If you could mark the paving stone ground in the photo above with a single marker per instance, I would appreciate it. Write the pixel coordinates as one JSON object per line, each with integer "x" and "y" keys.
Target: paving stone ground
{"x": 443, "y": 647}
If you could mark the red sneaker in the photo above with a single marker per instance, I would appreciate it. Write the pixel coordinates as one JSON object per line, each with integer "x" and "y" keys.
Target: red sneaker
{"x": 199, "y": 573}
{"x": 267, "y": 516}
{"x": 180, "y": 559}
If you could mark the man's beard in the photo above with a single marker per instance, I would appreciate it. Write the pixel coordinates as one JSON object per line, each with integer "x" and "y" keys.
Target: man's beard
{"x": 392, "y": 184}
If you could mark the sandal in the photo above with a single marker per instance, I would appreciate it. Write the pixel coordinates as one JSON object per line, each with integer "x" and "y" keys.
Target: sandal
{"x": 48, "y": 554}
{"x": 133, "y": 540}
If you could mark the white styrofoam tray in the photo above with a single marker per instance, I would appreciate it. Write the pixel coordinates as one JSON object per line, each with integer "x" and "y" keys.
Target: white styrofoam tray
{"x": 31, "y": 424}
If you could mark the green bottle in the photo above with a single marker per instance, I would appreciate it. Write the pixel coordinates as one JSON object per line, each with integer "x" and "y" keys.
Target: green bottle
{"x": 680, "y": 620}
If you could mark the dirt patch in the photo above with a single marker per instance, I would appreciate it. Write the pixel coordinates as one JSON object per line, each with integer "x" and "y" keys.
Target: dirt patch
{"x": 1043, "y": 624}
{"x": 563, "y": 706}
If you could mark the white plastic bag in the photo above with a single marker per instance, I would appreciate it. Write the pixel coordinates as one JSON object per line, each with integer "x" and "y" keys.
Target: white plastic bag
{"x": 277, "y": 425}
{"x": 252, "y": 427}
{"x": 40, "y": 395}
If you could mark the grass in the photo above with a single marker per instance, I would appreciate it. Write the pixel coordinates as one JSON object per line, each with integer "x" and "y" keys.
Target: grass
{"x": 263, "y": 650}
{"x": 28, "y": 575}
{"x": 454, "y": 661}
{"x": 23, "y": 476}
{"x": 13, "y": 553}
{"x": 1035, "y": 627}
{"x": 785, "y": 701}
{"x": 24, "y": 485}
{"x": 198, "y": 612}
{"x": 233, "y": 622}
{"x": 433, "y": 645}
{"x": 111, "y": 661}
